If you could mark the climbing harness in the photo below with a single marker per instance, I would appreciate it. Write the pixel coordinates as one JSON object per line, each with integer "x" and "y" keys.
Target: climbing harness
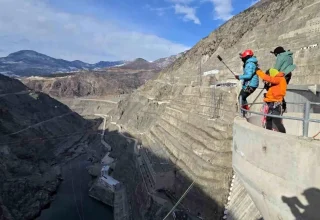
{"x": 265, "y": 110}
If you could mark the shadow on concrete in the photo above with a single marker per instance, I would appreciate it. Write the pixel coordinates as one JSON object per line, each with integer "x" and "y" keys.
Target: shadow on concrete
{"x": 303, "y": 96}
{"x": 311, "y": 211}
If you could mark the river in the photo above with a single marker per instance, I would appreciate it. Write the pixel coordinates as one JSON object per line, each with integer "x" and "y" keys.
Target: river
{"x": 72, "y": 201}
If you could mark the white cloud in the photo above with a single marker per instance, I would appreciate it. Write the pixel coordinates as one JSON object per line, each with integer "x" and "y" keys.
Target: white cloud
{"x": 32, "y": 24}
{"x": 222, "y": 9}
{"x": 188, "y": 12}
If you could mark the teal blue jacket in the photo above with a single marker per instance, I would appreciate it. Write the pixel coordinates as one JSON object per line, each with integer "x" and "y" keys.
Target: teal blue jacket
{"x": 249, "y": 76}
{"x": 284, "y": 62}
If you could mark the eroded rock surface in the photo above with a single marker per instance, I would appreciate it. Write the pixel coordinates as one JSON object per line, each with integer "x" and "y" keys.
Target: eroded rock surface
{"x": 180, "y": 118}
{"x": 37, "y": 134}
{"x": 82, "y": 84}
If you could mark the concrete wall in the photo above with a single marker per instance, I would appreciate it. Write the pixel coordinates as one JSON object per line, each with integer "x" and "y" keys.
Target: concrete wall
{"x": 279, "y": 171}
{"x": 240, "y": 205}
{"x": 299, "y": 96}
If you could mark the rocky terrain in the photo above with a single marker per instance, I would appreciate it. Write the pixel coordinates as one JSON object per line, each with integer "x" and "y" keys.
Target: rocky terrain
{"x": 37, "y": 135}
{"x": 112, "y": 81}
{"x": 118, "y": 80}
{"x": 191, "y": 120}
{"x": 167, "y": 61}
{"x": 183, "y": 119}
{"x": 89, "y": 83}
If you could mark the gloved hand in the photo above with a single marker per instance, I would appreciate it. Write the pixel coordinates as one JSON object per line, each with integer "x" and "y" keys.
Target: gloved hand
{"x": 237, "y": 77}
{"x": 258, "y": 67}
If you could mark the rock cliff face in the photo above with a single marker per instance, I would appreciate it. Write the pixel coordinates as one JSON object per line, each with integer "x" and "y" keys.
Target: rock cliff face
{"x": 37, "y": 133}
{"x": 192, "y": 121}
{"x": 116, "y": 80}
{"x": 91, "y": 83}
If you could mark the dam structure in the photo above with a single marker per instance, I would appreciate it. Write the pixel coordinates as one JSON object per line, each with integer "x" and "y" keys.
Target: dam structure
{"x": 185, "y": 129}
{"x": 277, "y": 172}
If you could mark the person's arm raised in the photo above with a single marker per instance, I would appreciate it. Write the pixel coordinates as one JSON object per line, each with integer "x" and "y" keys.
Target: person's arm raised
{"x": 265, "y": 77}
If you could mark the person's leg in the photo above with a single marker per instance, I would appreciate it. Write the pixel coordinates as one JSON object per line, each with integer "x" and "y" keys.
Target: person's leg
{"x": 247, "y": 92}
{"x": 269, "y": 123}
{"x": 284, "y": 104}
{"x": 278, "y": 121}
{"x": 288, "y": 78}
{"x": 269, "y": 119}
{"x": 244, "y": 95}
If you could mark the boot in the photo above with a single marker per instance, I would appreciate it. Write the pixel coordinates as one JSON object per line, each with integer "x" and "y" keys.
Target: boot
{"x": 246, "y": 107}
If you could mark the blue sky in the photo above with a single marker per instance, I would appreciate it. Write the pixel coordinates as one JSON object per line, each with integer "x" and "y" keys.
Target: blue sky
{"x": 94, "y": 30}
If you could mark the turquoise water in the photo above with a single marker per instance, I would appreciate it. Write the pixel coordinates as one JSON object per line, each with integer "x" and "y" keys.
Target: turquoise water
{"x": 72, "y": 201}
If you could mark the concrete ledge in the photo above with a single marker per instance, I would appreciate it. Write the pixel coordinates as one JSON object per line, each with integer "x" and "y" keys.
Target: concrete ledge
{"x": 276, "y": 169}
{"x": 313, "y": 88}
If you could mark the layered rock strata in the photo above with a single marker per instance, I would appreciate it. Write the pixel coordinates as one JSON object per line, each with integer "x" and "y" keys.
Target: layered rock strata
{"x": 190, "y": 120}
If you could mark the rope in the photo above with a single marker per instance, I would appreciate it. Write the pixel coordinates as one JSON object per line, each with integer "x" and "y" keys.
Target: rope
{"x": 177, "y": 203}
{"x": 316, "y": 135}
{"x": 45, "y": 138}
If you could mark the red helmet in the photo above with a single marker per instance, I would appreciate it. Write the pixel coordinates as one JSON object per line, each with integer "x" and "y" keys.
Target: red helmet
{"x": 246, "y": 53}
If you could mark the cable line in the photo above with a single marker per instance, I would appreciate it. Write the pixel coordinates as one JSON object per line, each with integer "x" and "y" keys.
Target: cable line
{"x": 177, "y": 203}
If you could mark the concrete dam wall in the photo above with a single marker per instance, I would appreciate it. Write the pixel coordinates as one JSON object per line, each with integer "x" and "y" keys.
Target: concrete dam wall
{"x": 184, "y": 121}
{"x": 279, "y": 171}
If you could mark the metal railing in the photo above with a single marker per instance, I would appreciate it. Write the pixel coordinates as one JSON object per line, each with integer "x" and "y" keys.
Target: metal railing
{"x": 305, "y": 119}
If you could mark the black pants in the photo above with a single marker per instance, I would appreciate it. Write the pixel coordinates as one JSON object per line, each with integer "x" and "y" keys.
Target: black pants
{"x": 245, "y": 93}
{"x": 270, "y": 121}
{"x": 288, "y": 78}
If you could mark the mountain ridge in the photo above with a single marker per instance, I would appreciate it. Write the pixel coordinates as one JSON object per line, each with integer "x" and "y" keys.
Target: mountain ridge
{"x": 30, "y": 62}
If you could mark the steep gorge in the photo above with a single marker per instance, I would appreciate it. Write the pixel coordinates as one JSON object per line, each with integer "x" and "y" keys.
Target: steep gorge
{"x": 183, "y": 120}
{"x": 37, "y": 135}
{"x": 181, "y": 113}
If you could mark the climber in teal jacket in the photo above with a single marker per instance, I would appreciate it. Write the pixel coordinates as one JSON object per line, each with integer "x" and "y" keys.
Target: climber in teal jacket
{"x": 249, "y": 77}
{"x": 284, "y": 64}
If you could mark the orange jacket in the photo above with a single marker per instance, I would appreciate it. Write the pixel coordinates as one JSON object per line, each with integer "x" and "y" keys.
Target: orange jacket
{"x": 278, "y": 88}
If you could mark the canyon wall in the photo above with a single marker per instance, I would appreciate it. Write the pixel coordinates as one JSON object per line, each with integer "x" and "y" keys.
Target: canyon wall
{"x": 37, "y": 134}
{"x": 189, "y": 115}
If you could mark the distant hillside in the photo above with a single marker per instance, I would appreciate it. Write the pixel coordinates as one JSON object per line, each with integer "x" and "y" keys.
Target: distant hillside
{"x": 164, "y": 62}
{"x": 32, "y": 63}
{"x": 28, "y": 63}
{"x": 139, "y": 64}
{"x": 91, "y": 83}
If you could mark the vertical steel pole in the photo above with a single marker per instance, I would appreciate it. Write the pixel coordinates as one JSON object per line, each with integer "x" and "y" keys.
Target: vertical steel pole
{"x": 306, "y": 119}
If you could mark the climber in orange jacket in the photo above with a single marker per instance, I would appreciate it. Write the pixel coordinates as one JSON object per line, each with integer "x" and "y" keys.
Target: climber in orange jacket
{"x": 276, "y": 86}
